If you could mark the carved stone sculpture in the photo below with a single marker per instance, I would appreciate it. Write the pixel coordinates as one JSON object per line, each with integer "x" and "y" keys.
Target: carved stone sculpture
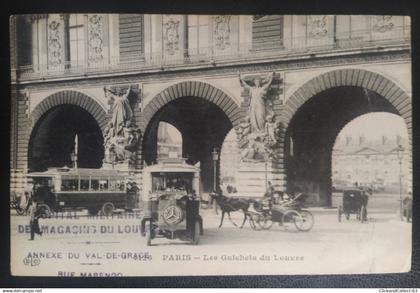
{"x": 317, "y": 26}
{"x": 121, "y": 136}
{"x": 95, "y": 38}
{"x": 259, "y": 132}
{"x": 221, "y": 31}
{"x": 55, "y": 57}
{"x": 121, "y": 112}
{"x": 257, "y": 108}
{"x": 382, "y": 23}
{"x": 171, "y": 35}
{"x": 255, "y": 150}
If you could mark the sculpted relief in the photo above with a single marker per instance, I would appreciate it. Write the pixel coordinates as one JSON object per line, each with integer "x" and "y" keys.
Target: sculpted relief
{"x": 55, "y": 47}
{"x": 221, "y": 33}
{"x": 317, "y": 26}
{"x": 121, "y": 136}
{"x": 95, "y": 38}
{"x": 382, "y": 23}
{"x": 260, "y": 130}
{"x": 171, "y": 34}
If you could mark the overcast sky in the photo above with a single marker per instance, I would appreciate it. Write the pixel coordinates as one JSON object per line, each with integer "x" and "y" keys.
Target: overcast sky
{"x": 376, "y": 125}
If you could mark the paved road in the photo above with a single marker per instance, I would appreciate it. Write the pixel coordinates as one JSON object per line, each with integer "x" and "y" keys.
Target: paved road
{"x": 383, "y": 244}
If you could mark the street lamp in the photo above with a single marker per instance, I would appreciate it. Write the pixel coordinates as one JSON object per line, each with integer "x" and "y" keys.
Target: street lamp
{"x": 400, "y": 155}
{"x": 74, "y": 155}
{"x": 215, "y": 157}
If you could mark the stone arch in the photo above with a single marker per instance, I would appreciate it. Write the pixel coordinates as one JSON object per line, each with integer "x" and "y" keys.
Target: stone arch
{"x": 351, "y": 82}
{"x": 192, "y": 89}
{"x": 70, "y": 97}
{"x": 369, "y": 80}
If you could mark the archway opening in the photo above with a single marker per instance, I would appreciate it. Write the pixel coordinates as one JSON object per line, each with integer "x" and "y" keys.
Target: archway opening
{"x": 53, "y": 139}
{"x": 312, "y": 132}
{"x": 203, "y": 126}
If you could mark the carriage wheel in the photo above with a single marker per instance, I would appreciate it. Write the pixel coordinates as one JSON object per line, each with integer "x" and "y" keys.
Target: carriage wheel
{"x": 307, "y": 221}
{"x": 339, "y": 212}
{"x": 108, "y": 208}
{"x": 196, "y": 236}
{"x": 254, "y": 220}
{"x": 265, "y": 222}
{"x": 148, "y": 233}
{"x": 290, "y": 218}
{"x": 44, "y": 211}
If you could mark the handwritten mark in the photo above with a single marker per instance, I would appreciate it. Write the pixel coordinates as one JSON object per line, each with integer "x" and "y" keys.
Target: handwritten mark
{"x": 31, "y": 261}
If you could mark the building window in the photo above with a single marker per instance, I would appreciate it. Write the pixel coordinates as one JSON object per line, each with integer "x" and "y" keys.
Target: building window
{"x": 131, "y": 35}
{"x": 198, "y": 34}
{"x": 267, "y": 32}
{"x": 77, "y": 39}
{"x": 24, "y": 31}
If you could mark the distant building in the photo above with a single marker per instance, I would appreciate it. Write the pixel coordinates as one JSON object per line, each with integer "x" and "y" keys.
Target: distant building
{"x": 229, "y": 160}
{"x": 167, "y": 144}
{"x": 373, "y": 163}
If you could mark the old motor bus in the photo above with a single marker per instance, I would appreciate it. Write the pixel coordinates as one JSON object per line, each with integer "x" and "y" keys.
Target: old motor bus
{"x": 59, "y": 189}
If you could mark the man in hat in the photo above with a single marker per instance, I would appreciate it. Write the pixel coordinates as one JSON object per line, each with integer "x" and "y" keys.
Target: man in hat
{"x": 33, "y": 219}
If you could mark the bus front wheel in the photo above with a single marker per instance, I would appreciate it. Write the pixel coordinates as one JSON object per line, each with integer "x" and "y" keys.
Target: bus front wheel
{"x": 93, "y": 211}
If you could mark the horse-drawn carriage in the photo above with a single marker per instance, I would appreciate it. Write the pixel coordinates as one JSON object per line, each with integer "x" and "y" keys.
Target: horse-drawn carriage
{"x": 354, "y": 202}
{"x": 170, "y": 202}
{"x": 286, "y": 212}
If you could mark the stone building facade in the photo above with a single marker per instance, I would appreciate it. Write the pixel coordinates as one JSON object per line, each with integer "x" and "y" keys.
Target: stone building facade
{"x": 286, "y": 84}
{"x": 373, "y": 163}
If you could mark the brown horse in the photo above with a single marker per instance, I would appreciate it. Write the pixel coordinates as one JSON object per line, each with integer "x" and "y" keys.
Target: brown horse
{"x": 231, "y": 204}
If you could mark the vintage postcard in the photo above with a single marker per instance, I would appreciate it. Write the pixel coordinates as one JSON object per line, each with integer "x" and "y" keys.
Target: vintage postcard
{"x": 173, "y": 145}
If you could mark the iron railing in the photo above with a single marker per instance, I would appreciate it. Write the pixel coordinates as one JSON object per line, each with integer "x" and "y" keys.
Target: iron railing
{"x": 210, "y": 56}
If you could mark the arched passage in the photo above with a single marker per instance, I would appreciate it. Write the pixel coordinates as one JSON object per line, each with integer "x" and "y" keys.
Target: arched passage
{"x": 56, "y": 121}
{"x": 317, "y": 112}
{"x": 203, "y": 115}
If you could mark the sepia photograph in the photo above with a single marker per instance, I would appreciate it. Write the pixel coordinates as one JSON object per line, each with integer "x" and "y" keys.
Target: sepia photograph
{"x": 199, "y": 145}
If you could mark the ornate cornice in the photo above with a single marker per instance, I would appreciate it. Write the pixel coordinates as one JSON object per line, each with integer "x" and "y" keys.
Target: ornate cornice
{"x": 228, "y": 69}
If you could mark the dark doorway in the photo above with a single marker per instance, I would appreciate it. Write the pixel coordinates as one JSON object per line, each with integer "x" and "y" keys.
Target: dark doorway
{"x": 53, "y": 139}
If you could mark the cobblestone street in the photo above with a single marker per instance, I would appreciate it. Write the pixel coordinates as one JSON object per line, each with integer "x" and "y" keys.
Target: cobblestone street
{"x": 109, "y": 245}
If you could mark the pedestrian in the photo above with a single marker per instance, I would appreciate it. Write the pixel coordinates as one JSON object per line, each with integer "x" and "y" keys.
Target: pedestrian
{"x": 33, "y": 219}
{"x": 270, "y": 190}
{"x": 29, "y": 191}
{"x": 408, "y": 206}
{"x": 214, "y": 203}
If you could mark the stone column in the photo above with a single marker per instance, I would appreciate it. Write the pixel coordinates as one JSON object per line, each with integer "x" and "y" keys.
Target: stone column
{"x": 13, "y": 47}
{"x": 20, "y": 134}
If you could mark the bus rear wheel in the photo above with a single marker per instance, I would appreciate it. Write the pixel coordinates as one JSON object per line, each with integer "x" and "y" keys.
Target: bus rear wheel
{"x": 108, "y": 208}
